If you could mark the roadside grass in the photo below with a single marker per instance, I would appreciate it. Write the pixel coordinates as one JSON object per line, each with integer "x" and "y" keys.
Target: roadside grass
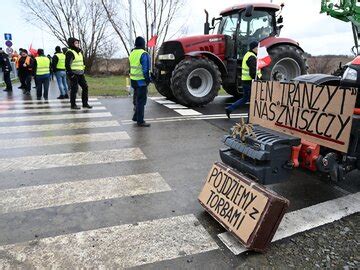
{"x": 115, "y": 86}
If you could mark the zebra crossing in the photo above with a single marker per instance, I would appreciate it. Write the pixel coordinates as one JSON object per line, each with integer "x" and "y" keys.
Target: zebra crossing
{"x": 116, "y": 246}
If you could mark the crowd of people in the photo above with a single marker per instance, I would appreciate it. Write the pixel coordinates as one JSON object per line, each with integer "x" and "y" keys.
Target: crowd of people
{"x": 67, "y": 64}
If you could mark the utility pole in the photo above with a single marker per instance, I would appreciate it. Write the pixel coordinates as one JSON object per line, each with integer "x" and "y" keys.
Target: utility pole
{"x": 130, "y": 24}
{"x": 153, "y": 30}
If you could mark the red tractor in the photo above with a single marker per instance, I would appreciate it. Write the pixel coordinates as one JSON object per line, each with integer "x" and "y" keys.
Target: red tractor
{"x": 191, "y": 70}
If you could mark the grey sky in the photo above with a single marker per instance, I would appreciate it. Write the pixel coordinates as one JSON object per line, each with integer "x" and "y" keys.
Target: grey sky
{"x": 317, "y": 34}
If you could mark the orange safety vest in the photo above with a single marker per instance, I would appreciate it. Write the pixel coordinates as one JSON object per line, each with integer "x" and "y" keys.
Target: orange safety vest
{"x": 27, "y": 62}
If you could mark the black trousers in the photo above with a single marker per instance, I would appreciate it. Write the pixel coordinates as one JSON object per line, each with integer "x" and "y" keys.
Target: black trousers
{"x": 27, "y": 82}
{"x": 7, "y": 80}
{"x": 40, "y": 84}
{"x": 140, "y": 94}
{"x": 22, "y": 78}
{"x": 75, "y": 81}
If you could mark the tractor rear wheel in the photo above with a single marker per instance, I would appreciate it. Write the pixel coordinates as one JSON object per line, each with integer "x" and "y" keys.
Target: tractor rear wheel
{"x": 195, "y": 81}
{"x": 164, "y": 89}
{"x": 287, "y": 62}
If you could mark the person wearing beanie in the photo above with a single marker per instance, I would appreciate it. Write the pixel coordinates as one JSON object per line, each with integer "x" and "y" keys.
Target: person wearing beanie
{"x": 42, "y": 68}
{"x": 5, "y": 65}
{"x": 58, "y": 66}
{"x": 75, "y": 70}
{"x": 249, "y": 73}
{"x": 140, "y": 61}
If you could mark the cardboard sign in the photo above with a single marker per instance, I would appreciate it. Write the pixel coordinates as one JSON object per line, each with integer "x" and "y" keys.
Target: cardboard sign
{"x": 319, "y": 114}
{"x": 242, "y": 206}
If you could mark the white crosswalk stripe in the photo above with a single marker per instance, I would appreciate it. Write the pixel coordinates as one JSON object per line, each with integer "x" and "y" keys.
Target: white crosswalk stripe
{"x": 53, "y": 127}
{"x": 63, "y": 101}
{"x": 69, "y": 139}
{"x": 113, "y": 247}
{"x": 70, "y": 159}
{"x": 35, "y": 197}
{"x": 39, "y": 105}
{"x": 45, "y": 110}
{"x": 73, "y": 115}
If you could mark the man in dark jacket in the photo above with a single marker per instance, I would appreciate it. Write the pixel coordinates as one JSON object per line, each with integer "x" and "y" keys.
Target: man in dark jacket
{"x": 75, "y": 70}
{"x": 249, "y": 73}
{"x": 140, "y": 79}
{"x": 26, "y": 65}
{"x": 6, "y": 69}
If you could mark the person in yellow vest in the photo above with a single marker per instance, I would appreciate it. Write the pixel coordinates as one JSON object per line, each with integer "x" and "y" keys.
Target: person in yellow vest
{"x": 140, "y": 79}
{"x": 75, "y": 70}
{"x": 42, "y": 74}
{"x": 58, "y": 66}
{"x": 249, "y": 73}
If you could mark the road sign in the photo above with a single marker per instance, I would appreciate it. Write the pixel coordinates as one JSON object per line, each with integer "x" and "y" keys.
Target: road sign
{"x": 8, "y": 43}
{"x": 9, "y": 50}
{"x": 7, "y": 36}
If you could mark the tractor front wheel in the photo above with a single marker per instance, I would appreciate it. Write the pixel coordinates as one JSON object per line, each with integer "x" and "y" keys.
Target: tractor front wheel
{"x": 195, "y": 82}
{"x": 164, "y": 88}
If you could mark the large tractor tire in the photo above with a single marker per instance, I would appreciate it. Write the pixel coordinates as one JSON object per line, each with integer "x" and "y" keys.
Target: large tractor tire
{"x": 287, "y": 62}
{"x": 164, "y": 89}
{"x": 195, "y": 82}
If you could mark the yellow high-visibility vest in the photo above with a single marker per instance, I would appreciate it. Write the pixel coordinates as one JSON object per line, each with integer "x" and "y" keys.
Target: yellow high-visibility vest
{"x": 245, "y": 75}
{"x": 61, "y": 61}
{"x": 43, "y": 65}
{"x": 78, "y": 62}
{"x": 136, "y": 72}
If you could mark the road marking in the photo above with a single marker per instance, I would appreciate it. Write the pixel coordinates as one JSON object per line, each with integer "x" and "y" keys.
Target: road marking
{"x": 63, "y": 101}
{"x": 73, "y": 115}
{"x": 41, "y": 105}
{"x": 53, "y": 127}
{"x": 305, "y": 219}
{"x": 70, "y": 159}
{"x": 175, "y": 106}
{"x": 164, "y": 101}
{"x": 67, "y": 139}
{"x": 36, "y": 197}
{"x": 157, "y": 98}
{"x": 186, "y": 118}
{"x": 187, "y": 112}
{"x": 115, "y": 247}
{"x": 50, "y": 110}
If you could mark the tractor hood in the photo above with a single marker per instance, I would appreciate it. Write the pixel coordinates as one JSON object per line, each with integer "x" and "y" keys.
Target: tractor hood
{"x": 211, "y": 43}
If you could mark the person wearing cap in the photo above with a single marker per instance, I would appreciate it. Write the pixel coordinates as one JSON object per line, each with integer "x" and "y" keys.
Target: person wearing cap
{"x": 58, "y": 66}
{"x": 75, "y": 70}
{"x": 140, "y": 79}
{"x": 26, "y": 65}
{"x": 249, "y": 73}
{"x": 42, "y": 74}
{"x": 6, "y": 69}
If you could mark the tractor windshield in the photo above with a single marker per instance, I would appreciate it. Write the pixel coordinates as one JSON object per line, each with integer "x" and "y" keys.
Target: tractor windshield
{"x": 255, "y": 28}
{"x": 228, "y": 25}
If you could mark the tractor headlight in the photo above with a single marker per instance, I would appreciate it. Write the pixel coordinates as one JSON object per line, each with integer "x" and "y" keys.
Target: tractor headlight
{"x": 350, "y": 74}
{"x": 169, "y": 56}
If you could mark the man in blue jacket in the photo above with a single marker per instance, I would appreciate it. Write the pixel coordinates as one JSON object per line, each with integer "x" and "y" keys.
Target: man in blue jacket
{"x": 140, "y": 79}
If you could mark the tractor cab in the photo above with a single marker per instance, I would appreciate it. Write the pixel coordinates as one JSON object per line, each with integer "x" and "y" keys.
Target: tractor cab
{"x": 244, "y": 24}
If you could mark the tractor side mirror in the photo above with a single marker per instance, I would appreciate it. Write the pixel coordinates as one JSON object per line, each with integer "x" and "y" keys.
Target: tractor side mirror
{"x": 249, "y": 11}
{"x": 280, "y": 20}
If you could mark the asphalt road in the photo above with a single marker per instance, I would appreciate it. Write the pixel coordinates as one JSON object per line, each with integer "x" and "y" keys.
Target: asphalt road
{"x": 92, "y": 189}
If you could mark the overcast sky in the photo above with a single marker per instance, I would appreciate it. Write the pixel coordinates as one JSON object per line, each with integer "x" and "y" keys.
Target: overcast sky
{"x": 317, "y": 34}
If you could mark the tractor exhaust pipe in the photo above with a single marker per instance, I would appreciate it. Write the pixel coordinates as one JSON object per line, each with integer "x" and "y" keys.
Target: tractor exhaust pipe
{"x": 206, "y": 24}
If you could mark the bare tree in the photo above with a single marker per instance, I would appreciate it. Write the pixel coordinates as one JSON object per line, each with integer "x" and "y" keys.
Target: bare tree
{"x": 85, "y": 20}
{"x": 161, "y": 17}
